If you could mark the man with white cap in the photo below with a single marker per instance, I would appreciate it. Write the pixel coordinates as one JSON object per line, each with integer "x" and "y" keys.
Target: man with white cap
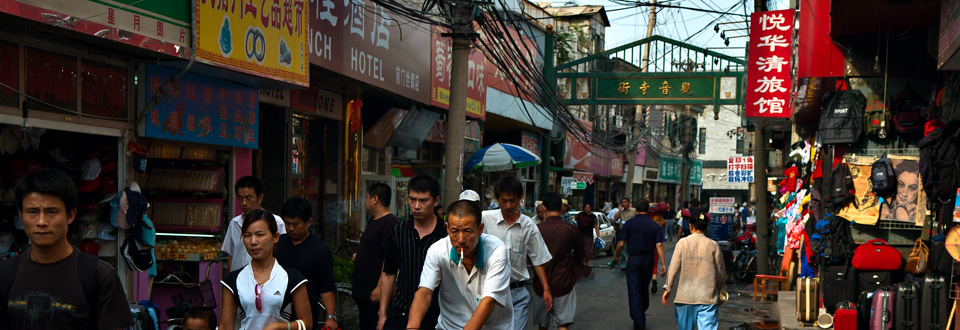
{"x": 470, "y": 195}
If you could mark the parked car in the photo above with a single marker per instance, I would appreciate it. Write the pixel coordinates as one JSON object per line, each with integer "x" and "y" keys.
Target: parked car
{"x": 607, "y": 233}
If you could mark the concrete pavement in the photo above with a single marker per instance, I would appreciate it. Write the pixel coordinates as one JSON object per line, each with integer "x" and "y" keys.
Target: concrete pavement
{"x": 602, "y": 303}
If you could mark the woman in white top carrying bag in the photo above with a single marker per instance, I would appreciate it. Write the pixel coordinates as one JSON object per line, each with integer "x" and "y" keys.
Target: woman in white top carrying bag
{"x": 260, "y": 295}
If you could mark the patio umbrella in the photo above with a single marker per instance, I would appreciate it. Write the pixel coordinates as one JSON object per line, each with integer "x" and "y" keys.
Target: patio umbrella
{"x": 501, "y": 157}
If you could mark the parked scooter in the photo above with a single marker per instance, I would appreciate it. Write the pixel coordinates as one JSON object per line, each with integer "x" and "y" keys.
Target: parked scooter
{"x": 745, "y": 256}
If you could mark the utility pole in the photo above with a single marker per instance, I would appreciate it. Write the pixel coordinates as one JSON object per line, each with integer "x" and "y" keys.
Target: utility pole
{"x": 760, "y": 182}
{"x": 460, "y": 14}
{"x": 551, "y": 83}
{"x": 632, "y": 118}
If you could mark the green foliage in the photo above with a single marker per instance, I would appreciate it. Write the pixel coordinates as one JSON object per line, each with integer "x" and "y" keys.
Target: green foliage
{"x": 342, "y": 270}
{"x": 567, "y": 42}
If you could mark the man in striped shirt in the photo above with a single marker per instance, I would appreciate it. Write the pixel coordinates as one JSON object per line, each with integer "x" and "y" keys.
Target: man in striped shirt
{"x": 406, "y": 251}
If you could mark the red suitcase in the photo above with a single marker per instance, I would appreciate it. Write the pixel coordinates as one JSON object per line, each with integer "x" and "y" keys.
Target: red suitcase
{"x": 845, "y": 319}
{"x": 876, "y": 255}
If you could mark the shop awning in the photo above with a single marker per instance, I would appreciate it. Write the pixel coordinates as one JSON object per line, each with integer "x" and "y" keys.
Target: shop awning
{"x": 382, "y": 131}
{"x": 413, "y": 129}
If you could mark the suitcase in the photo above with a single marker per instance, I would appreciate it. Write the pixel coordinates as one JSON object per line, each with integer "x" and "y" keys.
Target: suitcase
{"x": 907, "y": 312}
{"x": 808, "y": 299}
{"x": 875, "y": 255}
{"x": 871, "y": 281}
{"x": 864, "y": 303}
{"x": 881, "y": 309}
{"x": 845, "y": 318}
{"x": 935, "y": 308}
{"x": 839, "y": 284}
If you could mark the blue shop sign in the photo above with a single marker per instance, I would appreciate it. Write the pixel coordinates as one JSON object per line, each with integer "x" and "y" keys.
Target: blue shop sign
{"x": 200, "y": 109}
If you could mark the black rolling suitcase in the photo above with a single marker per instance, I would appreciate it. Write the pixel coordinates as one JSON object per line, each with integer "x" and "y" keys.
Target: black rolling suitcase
{"x": 839, "y": 284}
{"x": 935, "y": 308}
{"x": 907, "y": 308}
{"x": 871, "y": 281}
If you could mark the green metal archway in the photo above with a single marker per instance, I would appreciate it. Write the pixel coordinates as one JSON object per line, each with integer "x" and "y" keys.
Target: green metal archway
{"x": 678, "y": 73}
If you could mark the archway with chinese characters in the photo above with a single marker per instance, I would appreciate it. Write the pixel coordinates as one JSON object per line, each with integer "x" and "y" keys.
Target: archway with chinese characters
{"x": 678, "y": 74}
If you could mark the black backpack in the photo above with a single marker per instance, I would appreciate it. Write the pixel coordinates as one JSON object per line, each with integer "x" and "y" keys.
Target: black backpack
{"x": 840, "y": 187}
{"x": 841, "y": 119}
{"x": 86, "y": 269}
{"x": 940, "y": 162}
{"x": 908, "y": 111}
{"x": 882, "y": 176}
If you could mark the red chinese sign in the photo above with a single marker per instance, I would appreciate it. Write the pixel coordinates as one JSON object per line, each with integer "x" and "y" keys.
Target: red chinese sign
{"x": 442, "y": 57}
{"x": 769, "y": 63}
{"x": 498, "y": 79}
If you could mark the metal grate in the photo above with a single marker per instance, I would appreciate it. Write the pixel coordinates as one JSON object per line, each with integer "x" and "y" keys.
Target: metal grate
{"x": 893, "y": 224}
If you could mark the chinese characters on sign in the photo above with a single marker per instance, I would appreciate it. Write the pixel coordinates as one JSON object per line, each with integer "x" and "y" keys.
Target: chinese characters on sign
{"x": 202, "y": 110}
{"x": 263, "y": 38}
{"x": 722, "y": 205}
{"x": 440, "y": 86}
{"x": 740, "y": 169}
{"x": 768, "y": 64}
{"x": 668, "y": 88}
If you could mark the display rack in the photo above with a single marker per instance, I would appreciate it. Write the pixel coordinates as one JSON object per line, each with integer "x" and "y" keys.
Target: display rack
{"x": 185, "y": 179}
{"x": 186, "y": 214}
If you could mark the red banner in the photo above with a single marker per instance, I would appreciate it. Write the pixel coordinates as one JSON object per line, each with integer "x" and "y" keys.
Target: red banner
{"x": 577, "y": 155}
{"x": 769, "y": 63}
{"x": 817, "y": 55}
{"x": 497, "y": 79}
{"x": 442, "y": 56}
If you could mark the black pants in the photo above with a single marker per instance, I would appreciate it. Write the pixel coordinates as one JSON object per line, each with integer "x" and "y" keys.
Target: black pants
{"x": 397, "y": 320}
{"x": 639, "y": 271}
{"x": 369, "y": 313}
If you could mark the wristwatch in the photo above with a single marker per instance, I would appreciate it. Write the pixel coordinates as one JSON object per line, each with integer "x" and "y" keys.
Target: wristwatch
{"x": 331, "y": 316}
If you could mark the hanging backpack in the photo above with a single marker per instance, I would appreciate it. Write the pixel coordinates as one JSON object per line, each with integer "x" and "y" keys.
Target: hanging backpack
{"x": 876, "y": 121}
{"x": 908, "y": 111}
{"x": 948, "y": 100}
{"x": 940, "y": 162}
{"x": 841, "y": 119}
{"x": 882, "y": 176}
{"x": 840, "y": 187}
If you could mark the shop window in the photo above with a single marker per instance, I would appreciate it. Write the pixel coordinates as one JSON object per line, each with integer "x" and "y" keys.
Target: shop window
{"x": 103, "y": 90}
{"x": 52, "y": 79}
{"x": 9, "y": 74}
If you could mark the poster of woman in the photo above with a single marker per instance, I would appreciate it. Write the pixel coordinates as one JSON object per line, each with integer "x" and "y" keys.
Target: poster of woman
{"x": 909, "y": 202}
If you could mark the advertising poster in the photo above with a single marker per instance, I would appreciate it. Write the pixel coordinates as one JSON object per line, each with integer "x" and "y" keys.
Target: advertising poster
{"x": 262, "y": 38}
{"x": 199, "y": 109}
{"x": 721, "y": 226}
{"x": 909, "y": 203}
{"x": 865, "y": 208}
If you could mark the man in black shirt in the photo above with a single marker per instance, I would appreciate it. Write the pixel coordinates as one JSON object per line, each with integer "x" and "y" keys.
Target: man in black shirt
{"x": 369, "y": 263}
{"x": 406, "y": 252}
{"x": 308, "y": 254}
{"x": 44, "y": 288}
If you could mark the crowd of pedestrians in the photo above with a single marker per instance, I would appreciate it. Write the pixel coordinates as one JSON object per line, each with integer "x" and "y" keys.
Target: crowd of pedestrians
{"x": 459, "y": 267}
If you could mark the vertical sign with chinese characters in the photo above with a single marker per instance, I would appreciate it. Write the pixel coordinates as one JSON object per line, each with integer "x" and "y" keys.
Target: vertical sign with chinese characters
{"x": 442, "y": 57}
{"x": 198, "y": 109}
{"x": 266, "y": 38}
{"x": 768, "y": 64}
{"x": 740, "y": 169}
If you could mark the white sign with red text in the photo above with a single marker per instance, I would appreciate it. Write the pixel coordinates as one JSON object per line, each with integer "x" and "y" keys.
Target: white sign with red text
{"x": 769, "y": 64}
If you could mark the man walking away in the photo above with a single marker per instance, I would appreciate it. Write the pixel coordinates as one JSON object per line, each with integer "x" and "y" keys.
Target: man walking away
{"x": 563, "y": 270}
{"x": 406, "y": 252}
{"x": 52, "y": 286}
{"x": 520, "y": 235}
{"x": 249, "y": 195}
{"x": 670, "y": 215}
{"x": 626, "y": 213}
{"x": 309, "y": 255}
{"x": 369, "y": 261}
{"x": 643, "y": 239}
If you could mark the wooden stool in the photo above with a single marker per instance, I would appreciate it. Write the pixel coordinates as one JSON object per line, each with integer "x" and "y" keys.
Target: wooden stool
{"x": 760, "y": 285}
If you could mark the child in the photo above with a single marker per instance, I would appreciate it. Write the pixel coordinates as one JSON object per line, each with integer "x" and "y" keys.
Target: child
{"x": 199, "y": 318}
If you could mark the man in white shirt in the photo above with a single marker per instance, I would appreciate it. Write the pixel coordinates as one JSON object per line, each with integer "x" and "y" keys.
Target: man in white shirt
{"x": 522, "y": 238}
{"x": 613, "y": 213}
{"x": 249, "y": 194}
{"x": 472, "y": 272}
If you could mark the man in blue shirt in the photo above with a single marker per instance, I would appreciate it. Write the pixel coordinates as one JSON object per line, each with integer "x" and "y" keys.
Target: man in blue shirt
{"x": 643, "y": 238}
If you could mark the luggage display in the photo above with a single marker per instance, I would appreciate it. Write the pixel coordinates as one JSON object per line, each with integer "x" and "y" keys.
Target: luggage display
{"x": 871, "y": 281}
{"x": 876, "y": 255}
{"x": 808, "y": 299}
{"x": 881, "y": 309}
{"x": 864, "y": 304}
{"x": 934, "y": 306}
{"x": 906, "y": 313}
{"x": 845, "y": 318}
{"x": 839, "y": 284}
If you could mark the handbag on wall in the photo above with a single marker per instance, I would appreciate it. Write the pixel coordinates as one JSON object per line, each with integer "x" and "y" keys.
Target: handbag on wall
{"x": 917, "y": 261}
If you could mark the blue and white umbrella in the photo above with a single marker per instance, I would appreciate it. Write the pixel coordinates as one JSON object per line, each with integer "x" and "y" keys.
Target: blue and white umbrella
{"x": 501, "y": 157}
